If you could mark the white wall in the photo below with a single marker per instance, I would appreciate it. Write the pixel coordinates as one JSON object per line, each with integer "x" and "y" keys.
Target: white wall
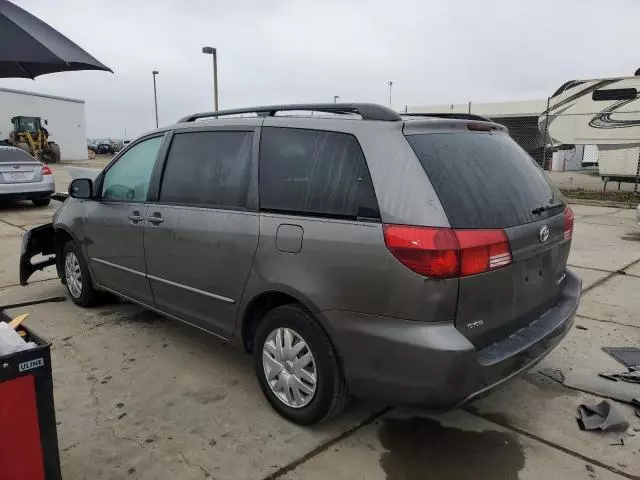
{"x": 67, "y": 125}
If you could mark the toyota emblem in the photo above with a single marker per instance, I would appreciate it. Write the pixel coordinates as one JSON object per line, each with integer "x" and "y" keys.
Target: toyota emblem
{"x": 543, "y": 233}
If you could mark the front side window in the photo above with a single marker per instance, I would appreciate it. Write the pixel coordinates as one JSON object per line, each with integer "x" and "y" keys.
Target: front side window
{"x": 128, "y": 179}
{"x": 208, "y": 169}
{"x": 314, "y": 172}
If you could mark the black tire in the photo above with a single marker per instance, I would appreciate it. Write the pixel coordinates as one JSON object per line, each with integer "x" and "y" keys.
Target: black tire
{"x": 331, "y": 394}
{"x": 88, "y": 296}
{"x": 55, "y": 152}
{"x": 41, "y": 202}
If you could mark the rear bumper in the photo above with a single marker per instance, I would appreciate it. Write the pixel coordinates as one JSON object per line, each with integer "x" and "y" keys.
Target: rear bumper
{"x": 37, "y": 241}
{"x": 28, "y": 189}
{"x": 408, "y": 362}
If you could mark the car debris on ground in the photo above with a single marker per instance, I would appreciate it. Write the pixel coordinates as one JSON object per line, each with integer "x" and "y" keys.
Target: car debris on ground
{"x": 602, "y": 416}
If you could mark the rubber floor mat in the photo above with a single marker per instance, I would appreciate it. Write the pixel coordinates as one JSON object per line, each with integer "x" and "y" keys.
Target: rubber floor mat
{"x": 627, "y": 356}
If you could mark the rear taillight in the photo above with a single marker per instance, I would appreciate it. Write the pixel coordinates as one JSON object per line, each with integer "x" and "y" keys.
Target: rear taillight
{"x": 428, "y": 251}
{"x": 568, "y": 223}
{"x": 479, "y": 127}
{"x": 46, "y": 170}
{"x": 482, "y": 250}
{"x": 448, "y": 253}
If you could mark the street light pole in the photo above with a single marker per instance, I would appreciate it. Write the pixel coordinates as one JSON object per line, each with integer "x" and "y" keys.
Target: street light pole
{"x": 155, "y": 94}
{"x": 335, "y": 98}
{"x": 214, "y": 53}
{"x": 390, "y": 85}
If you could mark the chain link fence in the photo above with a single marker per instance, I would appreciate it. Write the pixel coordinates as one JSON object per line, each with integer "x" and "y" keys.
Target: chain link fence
{"x": 606, "y": 142}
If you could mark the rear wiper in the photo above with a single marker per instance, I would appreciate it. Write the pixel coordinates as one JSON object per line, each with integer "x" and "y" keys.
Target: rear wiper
{"x": 539, "y": 210}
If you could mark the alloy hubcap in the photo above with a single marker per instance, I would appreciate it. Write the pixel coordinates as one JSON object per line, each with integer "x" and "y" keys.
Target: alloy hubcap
{"x": 289, "y": 367}
{"x": 73, "y": 275}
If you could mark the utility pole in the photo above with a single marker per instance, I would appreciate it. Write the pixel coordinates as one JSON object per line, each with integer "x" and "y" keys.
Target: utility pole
{"x": 214, "y": 53}
{"x": 390, "y": 85}
{"x": 155, "y": 94}
{"x": 335, "y": 98}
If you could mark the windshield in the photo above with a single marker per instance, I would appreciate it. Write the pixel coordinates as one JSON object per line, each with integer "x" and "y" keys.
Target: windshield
{"x": 28, "y": 124}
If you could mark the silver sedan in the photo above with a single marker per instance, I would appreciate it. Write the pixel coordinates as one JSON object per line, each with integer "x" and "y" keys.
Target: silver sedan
{"x": 24, "y": 177}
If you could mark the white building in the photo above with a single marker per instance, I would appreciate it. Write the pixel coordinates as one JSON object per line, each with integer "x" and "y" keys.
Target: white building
{"x": 65, "y": 119}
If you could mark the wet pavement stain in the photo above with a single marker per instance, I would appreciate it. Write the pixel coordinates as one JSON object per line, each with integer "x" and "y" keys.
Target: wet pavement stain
{"x": 146, "y": 316}
{"x": 423, "y": 449}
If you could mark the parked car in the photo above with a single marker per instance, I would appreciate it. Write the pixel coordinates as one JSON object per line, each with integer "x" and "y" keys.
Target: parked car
{"x": 24, "y": 177}
{"x": 638, "y": 214}
{"x": 105, "y": 148}
{"x": 415, "y": 260}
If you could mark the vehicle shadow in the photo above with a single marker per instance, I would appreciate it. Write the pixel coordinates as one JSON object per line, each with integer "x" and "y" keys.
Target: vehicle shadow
{"x": 17, "y": 205}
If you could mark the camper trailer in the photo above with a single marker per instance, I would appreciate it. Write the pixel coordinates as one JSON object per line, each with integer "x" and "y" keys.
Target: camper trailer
{"x": 603, "y": 112}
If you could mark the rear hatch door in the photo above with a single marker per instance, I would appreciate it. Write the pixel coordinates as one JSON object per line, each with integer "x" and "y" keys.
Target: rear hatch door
{"x": 485, "y": 180}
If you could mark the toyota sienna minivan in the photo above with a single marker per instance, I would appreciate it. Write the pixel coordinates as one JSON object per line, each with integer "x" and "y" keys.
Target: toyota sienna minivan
{"x": 353, "y": 252}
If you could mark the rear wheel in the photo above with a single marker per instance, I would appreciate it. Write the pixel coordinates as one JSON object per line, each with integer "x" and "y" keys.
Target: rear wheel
{"x": 76, "y": 276}
{"x": 55, "y": 154}
{"x": 297, "y": 366}
{"x": 41, "y": 202}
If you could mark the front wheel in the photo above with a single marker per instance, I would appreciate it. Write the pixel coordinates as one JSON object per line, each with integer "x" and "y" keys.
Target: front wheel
{"x": 297, "y": 366}
{"x": 55, "y": 152}
{"x": 76, "y": 276}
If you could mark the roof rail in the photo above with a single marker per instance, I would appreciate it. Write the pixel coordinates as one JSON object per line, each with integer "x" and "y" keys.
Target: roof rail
{"x": 368, "y": 111}
{"x": 458, "y": 116}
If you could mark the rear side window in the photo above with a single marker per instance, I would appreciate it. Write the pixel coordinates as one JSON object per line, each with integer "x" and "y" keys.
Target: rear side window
{"x": 485, "y": 180}
{"x": 208, "y": 168}
{"x": 315, "y": 173}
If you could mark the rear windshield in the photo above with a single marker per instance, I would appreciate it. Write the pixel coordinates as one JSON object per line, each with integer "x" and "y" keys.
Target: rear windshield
{"x": 10, "y": 154}
{"x": 485, "y": 180}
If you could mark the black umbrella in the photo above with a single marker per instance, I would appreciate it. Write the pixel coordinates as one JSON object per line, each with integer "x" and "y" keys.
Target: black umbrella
{"x": 29, "y": 47}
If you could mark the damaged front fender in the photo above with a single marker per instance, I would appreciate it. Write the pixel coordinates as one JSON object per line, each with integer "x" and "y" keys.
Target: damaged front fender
{"x": 37, "y": 241}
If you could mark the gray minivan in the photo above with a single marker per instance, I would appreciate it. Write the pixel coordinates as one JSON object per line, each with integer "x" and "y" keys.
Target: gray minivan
{"x": 411, "y": 259}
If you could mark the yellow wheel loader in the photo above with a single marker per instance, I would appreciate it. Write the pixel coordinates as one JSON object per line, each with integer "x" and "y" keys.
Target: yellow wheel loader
{"x": 29, "y": 135}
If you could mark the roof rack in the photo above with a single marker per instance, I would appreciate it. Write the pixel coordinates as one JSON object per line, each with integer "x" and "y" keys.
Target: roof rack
{"x": 458, "y": 116}
{"x": 368, "y": 111}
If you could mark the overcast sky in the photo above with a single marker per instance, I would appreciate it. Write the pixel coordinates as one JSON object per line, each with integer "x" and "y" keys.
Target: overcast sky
{"x": 284, "y": 51}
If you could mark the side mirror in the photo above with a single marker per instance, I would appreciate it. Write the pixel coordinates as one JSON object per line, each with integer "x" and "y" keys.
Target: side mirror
{"x": 46, "y": 123}
{"x": 81, "y": 188}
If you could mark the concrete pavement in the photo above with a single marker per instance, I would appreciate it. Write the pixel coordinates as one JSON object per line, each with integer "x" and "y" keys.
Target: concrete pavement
{"x": 142, "y": 397}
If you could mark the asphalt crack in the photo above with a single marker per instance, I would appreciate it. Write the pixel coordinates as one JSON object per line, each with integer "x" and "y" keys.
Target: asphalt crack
{"x": 568, "y": 451}
{"x": 327, "y": 444}
{"x": 13, "y": 225}
{"x": 611, "y": 275}
{"x": 207, "y": 474}
{"x": 606, "y": 321}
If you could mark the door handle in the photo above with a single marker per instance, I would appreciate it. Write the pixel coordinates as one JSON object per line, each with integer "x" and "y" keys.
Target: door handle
{"x": 135, "y": 217}
{"x": 156, "y": 219}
